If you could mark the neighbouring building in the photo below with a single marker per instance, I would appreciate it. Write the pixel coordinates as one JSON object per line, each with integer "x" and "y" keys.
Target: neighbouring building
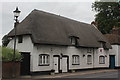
{"x": 114, "y": 39}
{"x": 51, "y": 42}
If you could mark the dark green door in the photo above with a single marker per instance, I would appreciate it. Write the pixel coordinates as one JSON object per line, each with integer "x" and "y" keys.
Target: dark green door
{"x": 25, "y": 63}
{"x": 112, "y": 61}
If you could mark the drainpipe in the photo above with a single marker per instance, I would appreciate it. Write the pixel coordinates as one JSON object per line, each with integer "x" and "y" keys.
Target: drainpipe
{"x": 52, "y": 58}
{"x": 93, "y": 57}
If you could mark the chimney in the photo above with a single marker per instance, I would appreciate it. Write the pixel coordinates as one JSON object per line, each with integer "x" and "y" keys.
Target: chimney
{"x": 94, "y": 24}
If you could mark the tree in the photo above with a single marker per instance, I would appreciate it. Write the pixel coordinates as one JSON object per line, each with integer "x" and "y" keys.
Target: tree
{"x": 5, "y": 40}
{"x": 108, "y": 15}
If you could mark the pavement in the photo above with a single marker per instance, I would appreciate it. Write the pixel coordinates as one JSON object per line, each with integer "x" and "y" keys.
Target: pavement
{"x": 63, "y": 75}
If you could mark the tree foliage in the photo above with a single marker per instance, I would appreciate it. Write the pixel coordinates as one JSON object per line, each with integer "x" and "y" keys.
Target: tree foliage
{"x": 108, "y": 15}
{"x": 5, "y": 41}
{"x": 7, "y": 54}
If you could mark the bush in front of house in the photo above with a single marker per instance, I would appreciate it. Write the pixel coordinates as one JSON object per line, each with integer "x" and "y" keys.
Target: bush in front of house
{"x": 10, "y": 67}
{"x": 7, "y": 54}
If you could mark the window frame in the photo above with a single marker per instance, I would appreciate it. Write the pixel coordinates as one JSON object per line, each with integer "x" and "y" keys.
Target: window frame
{"x": 77, "y": 60}
{"x": 89, "y": 62}
{"x": 45, "y": 61}
{"x": 102, "y": 61}
{"x": 20, "y": 39}
{"x": 74, "y": 40}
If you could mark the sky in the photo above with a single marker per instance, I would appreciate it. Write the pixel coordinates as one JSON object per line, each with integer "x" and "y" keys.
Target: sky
{"x": 74, "y": 9}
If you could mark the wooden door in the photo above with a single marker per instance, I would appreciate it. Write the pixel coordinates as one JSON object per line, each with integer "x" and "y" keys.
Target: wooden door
{"x": 25, "y": 63}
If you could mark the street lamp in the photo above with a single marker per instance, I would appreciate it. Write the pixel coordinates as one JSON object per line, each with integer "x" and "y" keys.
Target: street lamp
{"x": 16, "y": 15}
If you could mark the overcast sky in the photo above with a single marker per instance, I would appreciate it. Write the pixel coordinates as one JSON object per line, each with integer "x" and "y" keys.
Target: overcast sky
{"x": 77, "y": 10}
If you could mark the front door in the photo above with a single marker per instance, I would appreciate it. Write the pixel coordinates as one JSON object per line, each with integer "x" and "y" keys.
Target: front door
{"x": 112, "y": 61}
{"x": 56, "y": 64}
{"x": 25, "y": 63}
{"x": 64, "y": 64}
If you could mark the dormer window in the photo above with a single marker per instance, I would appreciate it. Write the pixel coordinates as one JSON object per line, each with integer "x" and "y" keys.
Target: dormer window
{"x": 73, "y": 40}
{"x": 103, "y": 45}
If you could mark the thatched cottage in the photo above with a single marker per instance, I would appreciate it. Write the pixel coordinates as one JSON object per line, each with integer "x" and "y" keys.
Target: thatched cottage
{"x": 51, "y": 42}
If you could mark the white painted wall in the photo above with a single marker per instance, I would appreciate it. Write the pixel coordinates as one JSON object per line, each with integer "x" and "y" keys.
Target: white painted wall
{"x": 97, "y": 53}
{"x": 27, "y": 46}
{"x": 83, "y": 60}
{"x": 116, "y": 51}
{"x": 68, "y": 50}
{"x": 118, "y": 55}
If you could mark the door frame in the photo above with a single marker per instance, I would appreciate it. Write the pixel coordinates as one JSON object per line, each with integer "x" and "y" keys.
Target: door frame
{"x": 110, "y": 61}
{"x": 67, "y": 61}
{"x": 29, "y": 62}
{"x": 58, "y": 62}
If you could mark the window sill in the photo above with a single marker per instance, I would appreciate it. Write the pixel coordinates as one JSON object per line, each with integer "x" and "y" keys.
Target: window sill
{"x": 101, "y": 63}
{"x": 43, "y": 65}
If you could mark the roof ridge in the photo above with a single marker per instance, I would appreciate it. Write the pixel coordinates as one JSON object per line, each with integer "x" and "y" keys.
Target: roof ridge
{"x": 50, "y": 13}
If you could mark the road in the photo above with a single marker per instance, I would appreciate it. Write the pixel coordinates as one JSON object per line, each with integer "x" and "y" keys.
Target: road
{"x": 113, "y": 74}
{"x": 84, "y": 75}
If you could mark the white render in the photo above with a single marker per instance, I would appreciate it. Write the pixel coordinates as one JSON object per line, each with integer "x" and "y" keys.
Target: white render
{"x": 116, "y": 51}
{"x": 35, "y": 50}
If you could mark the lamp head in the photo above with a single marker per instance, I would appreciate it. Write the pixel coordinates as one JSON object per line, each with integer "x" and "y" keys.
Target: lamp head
{"x": 16, "y": 12}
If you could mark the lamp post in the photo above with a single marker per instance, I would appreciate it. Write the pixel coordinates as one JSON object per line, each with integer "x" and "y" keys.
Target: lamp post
{"x": 16, "y": 15}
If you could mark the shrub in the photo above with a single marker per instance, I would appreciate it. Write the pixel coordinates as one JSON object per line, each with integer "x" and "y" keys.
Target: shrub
{"x": 7, "y": 54}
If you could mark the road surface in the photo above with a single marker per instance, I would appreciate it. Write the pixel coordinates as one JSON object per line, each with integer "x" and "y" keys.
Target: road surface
{"x": 113, "y": 74}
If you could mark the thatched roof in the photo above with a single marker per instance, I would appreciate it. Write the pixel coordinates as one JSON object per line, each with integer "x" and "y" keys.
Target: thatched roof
{"x": 113, "y": 38}
{"x": 47, "y": 28}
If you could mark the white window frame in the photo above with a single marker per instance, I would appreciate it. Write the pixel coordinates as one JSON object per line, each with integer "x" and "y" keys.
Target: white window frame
{"x": 44, "y": 60}
{"x": 101, "y": 59}
{"x": 73, "y": 40}
{"x": 89, "y": 61}
{"x": 75, "y": 59}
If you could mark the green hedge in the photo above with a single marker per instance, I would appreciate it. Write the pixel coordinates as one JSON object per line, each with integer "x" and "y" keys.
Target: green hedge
{"x": 7, "y": 54}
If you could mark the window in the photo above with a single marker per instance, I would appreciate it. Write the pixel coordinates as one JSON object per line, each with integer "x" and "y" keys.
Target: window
{"x": 89, "y": 59}
{"x": 20, "y": 39}
{"x": 102, "y": 60}
{"x": 43, "y": 59}
{"x": 75, "y": 60}
{"x": 73, "y": 40}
